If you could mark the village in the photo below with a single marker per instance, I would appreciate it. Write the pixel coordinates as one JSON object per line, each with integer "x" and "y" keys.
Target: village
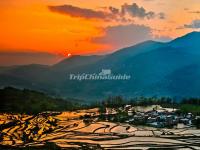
{"x": 154, "y": 116}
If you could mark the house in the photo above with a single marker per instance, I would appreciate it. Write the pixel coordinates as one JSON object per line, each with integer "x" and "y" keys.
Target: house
{"x": 185, "y": 121}
{"x": 130, "y": 113}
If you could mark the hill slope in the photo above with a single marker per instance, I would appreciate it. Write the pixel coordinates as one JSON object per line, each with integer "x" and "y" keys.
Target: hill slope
{"x": 29, "y": 101}
{"x": 162, "y": 69}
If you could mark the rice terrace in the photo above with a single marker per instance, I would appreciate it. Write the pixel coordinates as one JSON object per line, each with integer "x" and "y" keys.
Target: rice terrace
{"x": 67, "y": 130}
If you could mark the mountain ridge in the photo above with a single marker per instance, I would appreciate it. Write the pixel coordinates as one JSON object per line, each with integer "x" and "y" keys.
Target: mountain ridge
{"x": 154, "y": 68}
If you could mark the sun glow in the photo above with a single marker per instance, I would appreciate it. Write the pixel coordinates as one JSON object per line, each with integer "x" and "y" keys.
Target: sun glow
{"x": 69, "y": 55}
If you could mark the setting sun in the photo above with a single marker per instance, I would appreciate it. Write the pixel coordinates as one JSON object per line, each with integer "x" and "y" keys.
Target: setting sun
{"x": 69, "y": 54}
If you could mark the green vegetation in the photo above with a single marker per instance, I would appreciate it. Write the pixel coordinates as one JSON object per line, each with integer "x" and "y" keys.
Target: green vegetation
{"x": 197, "y": 123}
{"x": 32, "y": 102}
{"x": 194, "y": 109}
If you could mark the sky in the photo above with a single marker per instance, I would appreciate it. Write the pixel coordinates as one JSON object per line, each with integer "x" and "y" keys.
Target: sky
{"x": 46, "y": 31}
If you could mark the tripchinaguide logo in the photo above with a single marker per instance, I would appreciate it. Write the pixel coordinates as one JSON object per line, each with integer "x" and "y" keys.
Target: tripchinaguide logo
{"x": 105, "y": 74}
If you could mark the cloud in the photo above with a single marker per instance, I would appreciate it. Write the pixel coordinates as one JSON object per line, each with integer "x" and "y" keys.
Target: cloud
{"x": 74, "y": 11}
{"x": 8, "y": 58}
{"x": 114, "y": 10}
{"x": 124, "y": 35}
{"x": 161, "y": 15}
{"x": 162, "y": 38}
{"x": 108, "y": 13}
{"x": 195, "y": 12}
{"x": 195, "y": 24}
{"x": 135, "y": 11}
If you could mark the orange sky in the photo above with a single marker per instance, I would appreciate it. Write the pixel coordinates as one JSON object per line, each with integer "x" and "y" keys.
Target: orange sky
{"x": 30, "y": 26}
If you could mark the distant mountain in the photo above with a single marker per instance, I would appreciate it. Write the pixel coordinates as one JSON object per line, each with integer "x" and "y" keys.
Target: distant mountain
{"x": 188, "y": 41}
{"x": 76, "y": 61}
{"x": 156, "y": 69}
